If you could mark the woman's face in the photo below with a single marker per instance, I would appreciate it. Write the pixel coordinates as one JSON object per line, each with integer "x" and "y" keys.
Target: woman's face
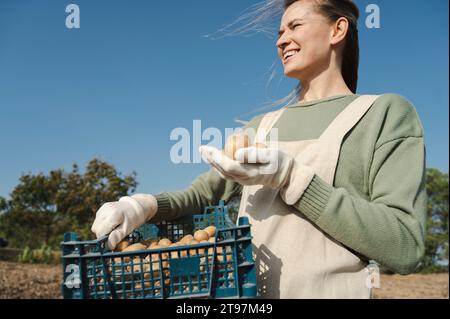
{"x": 304, "y": 40}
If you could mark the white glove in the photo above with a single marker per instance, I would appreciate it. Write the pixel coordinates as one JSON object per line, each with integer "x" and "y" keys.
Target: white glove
{"x": 267, "y": 166}
{"x": 119, "y": 219}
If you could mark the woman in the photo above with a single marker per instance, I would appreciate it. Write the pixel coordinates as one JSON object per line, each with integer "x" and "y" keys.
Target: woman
{"x": 347, "y": 177}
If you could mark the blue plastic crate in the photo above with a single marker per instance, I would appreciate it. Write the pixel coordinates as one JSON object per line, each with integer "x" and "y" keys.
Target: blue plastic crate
{"x": 223, "y": 269}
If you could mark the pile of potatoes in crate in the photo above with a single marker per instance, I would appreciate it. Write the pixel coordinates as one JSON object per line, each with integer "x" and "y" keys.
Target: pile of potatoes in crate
{"x": 200, "y": 236}
{"x": 142, "y": 267}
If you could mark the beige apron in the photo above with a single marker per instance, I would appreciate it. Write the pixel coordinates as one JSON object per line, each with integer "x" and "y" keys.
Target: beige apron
{"x": 294, "y": 258}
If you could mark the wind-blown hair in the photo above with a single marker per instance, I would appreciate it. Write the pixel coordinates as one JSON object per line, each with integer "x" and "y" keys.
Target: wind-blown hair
{"x": 264, "y": 17}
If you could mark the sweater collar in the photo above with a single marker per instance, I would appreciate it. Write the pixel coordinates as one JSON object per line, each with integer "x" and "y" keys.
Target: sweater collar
{"x": 327, "y": 99}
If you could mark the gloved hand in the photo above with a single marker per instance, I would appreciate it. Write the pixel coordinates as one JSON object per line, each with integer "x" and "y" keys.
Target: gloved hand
{"x": 266, "y": 166}
{"x": 119, "y": 219}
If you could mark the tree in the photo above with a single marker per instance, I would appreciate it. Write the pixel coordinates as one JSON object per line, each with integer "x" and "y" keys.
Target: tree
{"x": 82, "y": 195}
{"x": 32, "y": 212}
{"x": 2, "y": 204}
{"x": 436, "y": 245}
{"x": 43, "y": 207}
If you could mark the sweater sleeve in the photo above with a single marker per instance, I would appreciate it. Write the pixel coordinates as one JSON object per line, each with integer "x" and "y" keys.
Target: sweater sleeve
{"x": 207, "y": 189}
{"x": 389, "y": 226}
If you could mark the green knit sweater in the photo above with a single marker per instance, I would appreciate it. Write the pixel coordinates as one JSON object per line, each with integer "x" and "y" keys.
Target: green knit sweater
{"x": 377, "y": 205}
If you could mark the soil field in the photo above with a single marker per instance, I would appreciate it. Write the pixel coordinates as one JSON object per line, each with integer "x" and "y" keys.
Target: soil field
{"x": 43, "y": 281}
{"x": 416, "y": 286}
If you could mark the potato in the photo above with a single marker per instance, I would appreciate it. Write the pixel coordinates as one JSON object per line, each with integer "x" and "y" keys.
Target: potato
{"x": 250, "y": 160}
{"x": 156, "y": 271}
{"x": 200, "y": 235}
{"x": 210, "y": 230}
{"x": 193, "y": 252}
{"x": 260, "y": 145}
{"x": 153, "y": 245}
{"x": 137, "y": 265}
{"x": 138, "y": 285}
{"x": 149, "y": 242}
{"x": 147, "y": 275}
{"x": 186, "y": 239}
{"x": 100, "y": 284}
{"x": 137, "y": 246}
{"x": 228, "y": 258}
{"x": 122, "y": 245}
{"x": 174, "y": 254}
{"x": 155, "y": 257}
{"x": 202, "y": 250}
{"x": 155, "y": 266}
{"x": 151, "y": 267}
{"x": 235, "y": 142}
{"x": 165, "y": 242}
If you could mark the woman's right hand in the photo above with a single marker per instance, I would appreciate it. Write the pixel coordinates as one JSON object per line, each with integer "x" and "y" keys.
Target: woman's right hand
{"x": 119, "y": 219}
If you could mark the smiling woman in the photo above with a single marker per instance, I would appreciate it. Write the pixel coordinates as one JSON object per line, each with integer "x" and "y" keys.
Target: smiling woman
{"x": 344, "y": 184}
{"x": 306, "y": 27}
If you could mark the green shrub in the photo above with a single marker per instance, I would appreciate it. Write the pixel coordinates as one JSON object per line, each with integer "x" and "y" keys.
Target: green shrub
{"x": 42, "y": 255}
{"x": 433, "y": 269}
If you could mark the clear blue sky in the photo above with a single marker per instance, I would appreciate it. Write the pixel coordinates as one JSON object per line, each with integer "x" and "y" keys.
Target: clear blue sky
{"x": 115, "y": 88}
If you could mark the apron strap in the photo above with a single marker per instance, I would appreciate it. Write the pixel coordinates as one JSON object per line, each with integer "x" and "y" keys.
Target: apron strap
{"x": 329, "y": 143}
{"x": 348, "y": 118}
{"x": 331, "y": 139}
